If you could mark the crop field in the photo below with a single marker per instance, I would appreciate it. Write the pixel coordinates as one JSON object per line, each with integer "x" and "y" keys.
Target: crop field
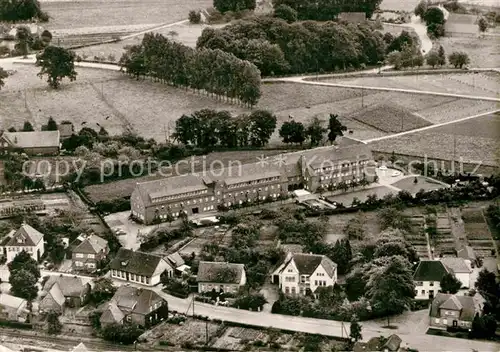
{"x": 477, "y": 84}
{"x": 475, "y": 140}
{"x": 483, "y": 52}
{"x": 96, "y": 13}
{"x": 390, "y": 118}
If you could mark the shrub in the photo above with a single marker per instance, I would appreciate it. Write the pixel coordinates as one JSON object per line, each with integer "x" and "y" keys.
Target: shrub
{"x": 194, "y": 17}
{"x": 250, "y": 301}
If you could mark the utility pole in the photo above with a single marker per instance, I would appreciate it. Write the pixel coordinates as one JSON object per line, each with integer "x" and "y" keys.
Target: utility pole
{"x": 402, "y": 123}
{"x": 454, "y": 151}
{"x": 362, "y": 97}
{"x": 206, "y": 332}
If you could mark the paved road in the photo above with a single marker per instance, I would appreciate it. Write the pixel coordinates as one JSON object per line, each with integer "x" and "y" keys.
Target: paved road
{"x": 421, "y": 30}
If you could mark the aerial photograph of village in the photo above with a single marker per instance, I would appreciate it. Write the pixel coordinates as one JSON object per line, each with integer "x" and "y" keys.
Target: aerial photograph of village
{"x": 250, "y": 175}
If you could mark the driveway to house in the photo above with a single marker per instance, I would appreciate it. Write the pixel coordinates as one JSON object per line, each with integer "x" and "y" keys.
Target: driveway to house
{"x": 421, "y": 30}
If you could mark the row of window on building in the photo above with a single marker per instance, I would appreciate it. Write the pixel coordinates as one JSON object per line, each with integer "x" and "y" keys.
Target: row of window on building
{"x": 88, "y": 265}
{"x": 131, "y": 277}
{"x": 256, "y": 182}
{"x": 81, "y": 255}
{"x": 180, "y": 195}
{"x": 19, "y": 249}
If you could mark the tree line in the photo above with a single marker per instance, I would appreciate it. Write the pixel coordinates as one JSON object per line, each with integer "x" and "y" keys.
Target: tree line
{"x": 326, "y": 10}
{"x": 21, "y": 10}
{"x": 210, "y": 128}
{"x": 277, "y": 47}
{"x": 213, "y": 71}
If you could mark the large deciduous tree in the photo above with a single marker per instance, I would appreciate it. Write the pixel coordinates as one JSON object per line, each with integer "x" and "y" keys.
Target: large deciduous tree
{"x": 450, "y": 284}
{"x": 23, "y": 284}
{"x": 335, "y": 128}
{"x": 234, "y": 5}
{"x": 21, "y": 10}
{"x": 24, "y": 39}
{"x": 293, "y": 132}
{"x": 390, "y": 287}
{"x": 3, "y": 76}
{"x": 57, "y": 63}
{"x": 459, "y": 59}
{"x": 262, "y": 126}
{"x": 315, "y": 131}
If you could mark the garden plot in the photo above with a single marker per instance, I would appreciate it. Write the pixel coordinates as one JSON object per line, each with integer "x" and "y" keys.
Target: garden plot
{"x": 237, "y": 338}
{"x": 477, "y": 232}
{"x": 444, "y": 243}
{"x": 193, "y": 331}
{"x": 417, "y": 238}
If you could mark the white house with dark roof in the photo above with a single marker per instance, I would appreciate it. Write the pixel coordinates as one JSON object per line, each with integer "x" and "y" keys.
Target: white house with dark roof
{"x": 139, "y": 267}
{"x": 220, "y": 276}
{"x": 27, "y": 239}
{"x": 31, "y": 143}
{"x": 302, "y": 273}
{"x": 13, "y": 308}
{"x": 245, "y": 183}
{"x": 427, "y": 278}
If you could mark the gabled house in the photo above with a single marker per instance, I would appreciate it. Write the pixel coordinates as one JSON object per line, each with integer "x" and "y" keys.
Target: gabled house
{"x": 134, "y": 305}
{"x": 220, "y": 277}
{"x": 460, "y": 268}
{"x": 427, "y": 278}
{"x": 72, "y": 288}
{"x": 139, "y": 267}
{"x": 31, "y": 143}
{"x": 453, "y": 311}
{"x": 382, "y": 344}
{"x": 80, "y": 348}
{"x": 467, "y": 253}
{"x": 27, "y": 239}
{"x": 13, "y": 308}
{"x": 175, "y": 260}
{"x": 88, "y": 251}
{"x": 53, "y": 300}
{"x": 301, "y": 273}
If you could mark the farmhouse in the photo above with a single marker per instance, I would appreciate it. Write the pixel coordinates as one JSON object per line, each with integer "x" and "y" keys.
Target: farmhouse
{"x": 138, "y": 305}
{"x": 427, "y": 278}
{"x": 452, "y": 311}
{"x": 304, "y": 273}
{"x": 27, "y": 239}
{"x": 200, "y": 193}
{"x": 72, "y": 289}
{"x": 139, "y": 267}
{"x": 88, "y": 251}
{"x": 31, "y": 143}
{"x": 221, "y": 277}
{"x": 13, "y": 308}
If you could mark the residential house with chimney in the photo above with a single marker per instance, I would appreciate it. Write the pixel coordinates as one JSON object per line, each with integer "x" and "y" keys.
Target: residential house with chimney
{"x": 460, "y": 268}
{"x": 220, "y": 277}
{"x": 134, "y": 305}
{"x": 139, "y": 267}
{"x": 301, "y": 273}
{"x": 455, "y": 311}
{"x": 31, "y": 143}
{"x": 88, "y": 251}
{"x": 13, "y": 308}
{"x": 27, "y": 239}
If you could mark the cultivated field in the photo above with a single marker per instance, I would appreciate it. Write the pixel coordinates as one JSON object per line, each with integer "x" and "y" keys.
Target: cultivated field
{"x": 476, "y": 84}
{"x": 97, "y": 13}
{"x": 473, "y": 141}
{"x": 483, "y": 52}
{"x": 477, "y": 232}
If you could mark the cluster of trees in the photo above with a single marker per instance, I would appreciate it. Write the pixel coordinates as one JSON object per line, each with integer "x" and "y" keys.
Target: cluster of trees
{"x": 234, "y": 5}
{"x": 327, "y": 10}
{"x": 295, "y": 132}
{"x": 433, "y": 17}
{"x": 459, "y": 59}
{"x": 403, "y": 51}
{"x": 436, "y": 58}
{"x": 213, "y": 71}
{"x": 209, "y": 128}
{"x": 21, "y": 10}
{"x": 484, "y": 327}
{"x": 26, "y": 41}
{"x": 277, "y": 47}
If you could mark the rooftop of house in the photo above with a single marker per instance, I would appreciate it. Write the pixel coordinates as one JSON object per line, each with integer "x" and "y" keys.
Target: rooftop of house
{"x": 134, "y": 262}
{"x": 10, "y": 301}
{"x": 391, "y": 344}
{"x": 220, "y": 272}
{"x": 25, "y": 236}
{"x": 464, "y": 304}
{"x": 175, "y": 259}
{"x": 467, "y": 252}
{"x": 35, "y": 139}
{"x": 457, "y": 265}
{"x": 56, "y": 293}
{"x": 71, "y": 286}
{"x": 307, "y": 263}
{"x": 430, "y": 270}
{"x": 91, "y": 244}
{"x": 127, "y": 300}
{"x": 65, "y": 129}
